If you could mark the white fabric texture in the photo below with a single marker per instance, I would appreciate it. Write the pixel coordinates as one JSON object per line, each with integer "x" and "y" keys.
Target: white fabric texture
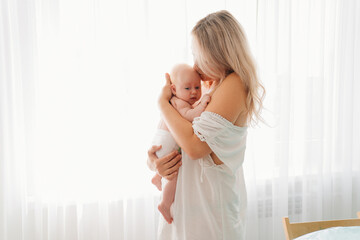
{"x": 210, "y": 200}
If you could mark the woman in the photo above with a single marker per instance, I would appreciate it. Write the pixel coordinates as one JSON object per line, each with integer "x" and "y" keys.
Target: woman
{"x": 210, "y": 201}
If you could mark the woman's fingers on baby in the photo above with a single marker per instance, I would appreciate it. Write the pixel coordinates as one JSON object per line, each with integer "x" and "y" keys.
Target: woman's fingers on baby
{"x": 154, "y": 149}
{"x": 176, "y": 160}
{"x": 168, "y": 158}
{"x": 168, "y": 164}
{"x": 166, "y": 91}
{"x": 161, "y": 164}
{"x": 175, "y": 157}
{"x": 173, "y": 165}
{"x": 168, "y": 79}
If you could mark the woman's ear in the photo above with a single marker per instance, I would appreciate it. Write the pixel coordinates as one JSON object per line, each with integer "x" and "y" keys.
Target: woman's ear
{"x": 173, "y": 89}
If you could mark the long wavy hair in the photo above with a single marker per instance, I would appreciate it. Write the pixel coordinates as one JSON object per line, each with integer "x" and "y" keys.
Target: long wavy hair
{"x": 223, "y": 49}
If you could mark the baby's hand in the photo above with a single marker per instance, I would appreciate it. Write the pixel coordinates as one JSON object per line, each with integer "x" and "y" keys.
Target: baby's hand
{"x": 205, "y": 99}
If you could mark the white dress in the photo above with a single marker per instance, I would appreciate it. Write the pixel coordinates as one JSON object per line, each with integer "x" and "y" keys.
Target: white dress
{"x": 210, "y": 200}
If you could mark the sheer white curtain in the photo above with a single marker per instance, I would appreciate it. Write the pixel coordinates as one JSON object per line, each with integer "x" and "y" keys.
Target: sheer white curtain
{"x": 307, "y": 164}
{"x": 79, "y": 82}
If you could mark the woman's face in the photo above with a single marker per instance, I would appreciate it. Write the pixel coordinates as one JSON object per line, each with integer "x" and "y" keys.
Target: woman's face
{"x": 203, "y": 76}
{"x": 196, "y": 52}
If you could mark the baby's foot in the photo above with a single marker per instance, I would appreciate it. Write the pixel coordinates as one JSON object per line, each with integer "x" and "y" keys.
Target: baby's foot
{"x": 165, "y": 211}
{"x": 157, "y": 182}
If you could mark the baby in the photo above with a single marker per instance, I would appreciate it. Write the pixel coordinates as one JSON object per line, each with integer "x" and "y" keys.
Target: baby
{"x": 186, "y": 88}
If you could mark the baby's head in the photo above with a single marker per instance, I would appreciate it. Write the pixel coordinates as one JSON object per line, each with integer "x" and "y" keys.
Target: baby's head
{"x": 186, "y": 83}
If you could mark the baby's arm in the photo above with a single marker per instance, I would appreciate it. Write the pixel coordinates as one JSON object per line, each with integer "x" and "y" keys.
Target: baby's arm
{"x": 203, "y": 102}
{"x": 186, "y": 110}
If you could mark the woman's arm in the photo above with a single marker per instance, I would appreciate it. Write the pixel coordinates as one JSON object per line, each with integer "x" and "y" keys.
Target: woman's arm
{"x": 227, "y": 101}
{"x": 182, "y": 131}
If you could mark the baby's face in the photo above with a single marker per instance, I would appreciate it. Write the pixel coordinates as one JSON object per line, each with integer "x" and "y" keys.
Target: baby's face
{"x": 188, "y": 86}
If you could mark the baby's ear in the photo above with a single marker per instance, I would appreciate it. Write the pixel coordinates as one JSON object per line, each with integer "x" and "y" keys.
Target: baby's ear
{"x": 173, "y": 89}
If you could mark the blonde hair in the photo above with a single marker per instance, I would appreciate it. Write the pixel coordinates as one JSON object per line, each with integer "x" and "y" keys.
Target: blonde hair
{"x": 224, "y": 49}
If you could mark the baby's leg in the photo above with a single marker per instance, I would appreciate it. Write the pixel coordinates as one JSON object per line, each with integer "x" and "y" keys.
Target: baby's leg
{"x": 168, "y": 199}
{"x": 156, "y": 180}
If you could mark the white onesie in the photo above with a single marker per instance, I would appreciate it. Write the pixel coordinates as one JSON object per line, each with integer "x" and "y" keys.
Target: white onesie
{"x": 164, "y": 138}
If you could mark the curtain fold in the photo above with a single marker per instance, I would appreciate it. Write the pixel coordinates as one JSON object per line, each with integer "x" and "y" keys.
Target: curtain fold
{"x": 78, "y": 88}
{"x": 17, "y": 41}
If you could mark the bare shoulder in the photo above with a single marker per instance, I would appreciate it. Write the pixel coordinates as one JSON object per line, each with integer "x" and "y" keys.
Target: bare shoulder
{"x": 229, "y": 99}
{"x": 232, "y": 81}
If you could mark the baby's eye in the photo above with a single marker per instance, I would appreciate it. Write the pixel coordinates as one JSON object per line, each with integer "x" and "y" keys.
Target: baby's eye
{"x": 187, "y": 88}
{"x": 197, "y": 87}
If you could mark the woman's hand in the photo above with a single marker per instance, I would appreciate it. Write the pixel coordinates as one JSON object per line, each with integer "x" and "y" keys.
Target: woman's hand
{"x": 166, "y": 93}
{"x": 166, "y": 166}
